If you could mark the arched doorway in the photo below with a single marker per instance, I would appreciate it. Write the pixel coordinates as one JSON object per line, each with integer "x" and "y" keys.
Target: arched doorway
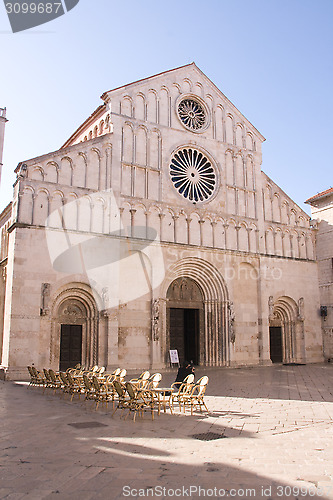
{"x": 74, "y": 335}
{"x": 210, "y": 299}
{"x": 185, "y": 317}
{"x": 286, "y": 334}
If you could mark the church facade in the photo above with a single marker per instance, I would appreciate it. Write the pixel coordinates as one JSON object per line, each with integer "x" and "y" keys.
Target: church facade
{"x": 154, "y": 228}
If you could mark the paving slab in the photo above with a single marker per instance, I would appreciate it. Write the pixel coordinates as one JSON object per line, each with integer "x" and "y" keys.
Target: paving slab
{"x": 271, "y": 430}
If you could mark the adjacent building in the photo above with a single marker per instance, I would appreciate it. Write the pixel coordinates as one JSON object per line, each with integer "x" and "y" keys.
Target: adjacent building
{"x": 322, "y": 212}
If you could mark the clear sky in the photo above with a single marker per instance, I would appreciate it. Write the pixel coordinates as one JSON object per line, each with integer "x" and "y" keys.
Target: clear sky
{"x": 272, "y": 58}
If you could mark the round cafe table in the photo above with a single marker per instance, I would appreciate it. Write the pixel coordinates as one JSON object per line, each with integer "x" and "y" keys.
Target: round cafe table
{"x": 163, "y": 395}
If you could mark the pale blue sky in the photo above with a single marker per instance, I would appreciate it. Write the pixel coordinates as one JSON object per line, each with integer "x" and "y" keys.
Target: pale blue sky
{"x": 271, "y": 58}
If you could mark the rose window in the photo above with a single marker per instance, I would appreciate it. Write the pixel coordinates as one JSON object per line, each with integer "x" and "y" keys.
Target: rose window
{"x": 193, "y": 175}
{"x": 192, "y": 114}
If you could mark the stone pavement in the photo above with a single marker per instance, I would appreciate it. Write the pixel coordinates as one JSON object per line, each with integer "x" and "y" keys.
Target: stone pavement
{"x": 275, "y": 423}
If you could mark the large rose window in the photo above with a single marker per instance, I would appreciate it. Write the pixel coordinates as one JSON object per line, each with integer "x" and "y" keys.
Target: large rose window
{"x": 193, "y": 175}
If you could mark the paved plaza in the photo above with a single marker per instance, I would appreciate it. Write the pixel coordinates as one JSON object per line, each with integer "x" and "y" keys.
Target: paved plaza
{"x": 272, "y": 428}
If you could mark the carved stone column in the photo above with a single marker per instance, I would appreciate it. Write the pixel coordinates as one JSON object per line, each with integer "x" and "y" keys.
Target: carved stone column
{"x": 156, "y": 361}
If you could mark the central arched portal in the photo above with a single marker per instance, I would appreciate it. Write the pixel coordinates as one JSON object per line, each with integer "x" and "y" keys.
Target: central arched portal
{"x": 196, "y": 313}
{"x": 185, "y": 319}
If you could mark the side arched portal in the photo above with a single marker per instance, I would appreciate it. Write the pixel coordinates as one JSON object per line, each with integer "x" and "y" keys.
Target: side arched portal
{"x": 74, "y": 314}
{"x": 196, "y": 284}
{"x": 286, "y": 332}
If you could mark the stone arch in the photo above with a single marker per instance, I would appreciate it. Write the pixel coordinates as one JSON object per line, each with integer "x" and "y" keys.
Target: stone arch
{"x": 36, "y": 173}
{"x": 155, "y": 148}
{"x": 286, "y": 239}
{"x": 276, "y": 211}
{"x": 127, "y": 143}
{"x": 74, "y": 304}
{"x": 230, "y": 129}
{"x": 285, "y": 315}
{"x": 66, "y": 171}
{"x": 95, "y": 169}
{"x": 302, "y": 246}
{"x": 51, "y": 172}
{"x": 140, "y": 106}
{"x": 141, "y": 143}
{"x": 278, "y": 241}
{"x": 181, "y": 223}
{"x": 154, "y": 219}
{"x": 152, "y": 106}
{"x": 239, "y": 135}
{"x": 310, "y": 246}
{"x": 269, "y": 241}
{"x": 198, "y": 89}
{"x": 220, "y": 123}
{"x": 168, "y": 226}
{"x": 285, "y": 212}
{"x": 41, "y": 207}
{"x": 194, "y": 229}
{"x": 80, "y": 172}
{"x": 267, "y": 199}
{"x": 101, "y": 127}
{"x": 214, "y": 330}
{"x": 56, "y": 204}
{"x": 231, "y": 235}
{"x": 243, "y": 237}
{"x": 164, "y": 106}
{"x": 239, "y": 170}
{"x": 187, "y": 86}
{"x": 250, "y": 174}
{"x": 229, "y": 167}
{"x": 249, "y": 141}
{"x": 98, "y": 210}
{"x": 26, "y": 205}
{"x": 253, "y": 240}
{"x": 70, "y": 211}
{"x": 206, "y": 227}
{"x": 219, "y": 233}
{"x": 126, "y": 106}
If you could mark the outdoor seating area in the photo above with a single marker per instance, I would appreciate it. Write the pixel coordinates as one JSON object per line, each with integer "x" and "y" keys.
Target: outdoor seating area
{"x": 134, "y": 396}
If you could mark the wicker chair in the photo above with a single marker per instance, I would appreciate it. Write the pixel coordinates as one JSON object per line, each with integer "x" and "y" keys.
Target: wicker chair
{"x": 140, "y": 400}
{"x": 195, "y": 398}
{"x": 142, "y": 381}
{"x": 180, "y": 389}
{"x": 154, "y": 380}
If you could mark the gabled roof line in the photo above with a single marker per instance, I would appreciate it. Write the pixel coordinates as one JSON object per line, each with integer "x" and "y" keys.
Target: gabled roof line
{"x": 105, "y": 96}
{"x": 90, "y": 118}
{"x": 286, "y": 195}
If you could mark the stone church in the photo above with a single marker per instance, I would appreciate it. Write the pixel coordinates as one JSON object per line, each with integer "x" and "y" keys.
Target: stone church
{"x": 154, "y": 228}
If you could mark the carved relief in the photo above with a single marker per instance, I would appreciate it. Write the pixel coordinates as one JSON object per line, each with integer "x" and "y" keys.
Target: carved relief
{"x": 184, "y": 289}
{"x": 155, "y": 319}
{"x": 45, "y": 299}
{"x": 231, "y": 320}
{"x": 271, "y": 308}
{"x": 301, "y": 309}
